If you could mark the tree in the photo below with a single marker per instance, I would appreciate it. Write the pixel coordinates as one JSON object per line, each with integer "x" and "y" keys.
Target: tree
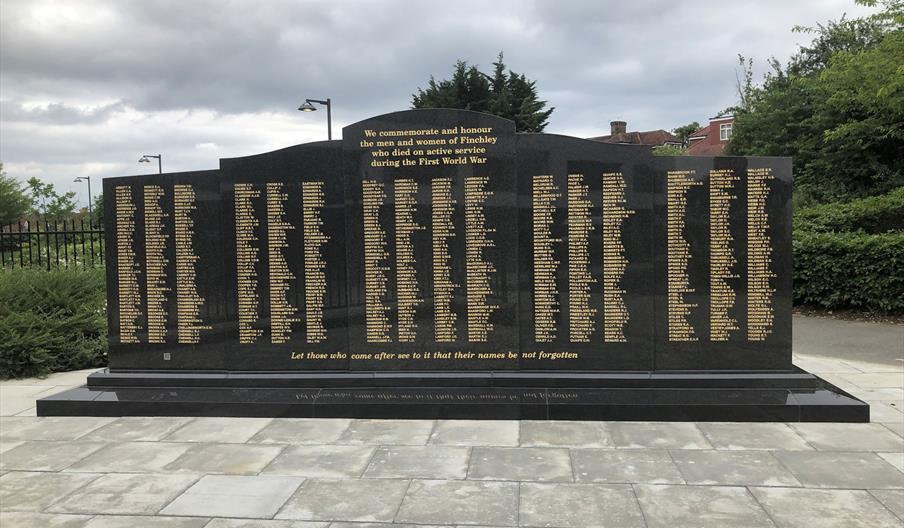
{"x": 669, "y": 150}
{"x": 685, "y": 130}
{"x": 837, "y": 108}
{"x": 506, "y": 94}
{"x": 46, "y": 202}
{"x": 14, "y": 203}
{"x": 97, "y": 211}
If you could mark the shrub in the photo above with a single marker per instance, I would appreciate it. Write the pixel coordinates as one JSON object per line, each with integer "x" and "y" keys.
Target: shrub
{"x": 850, "y": 270}
{"x": 51, "y": 321}
{"x": 876, "y": 214}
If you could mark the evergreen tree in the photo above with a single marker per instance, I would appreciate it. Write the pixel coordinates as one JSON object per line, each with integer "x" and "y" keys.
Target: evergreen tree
{"x": 505, "y": 94}
{"x": 14, "y": 203}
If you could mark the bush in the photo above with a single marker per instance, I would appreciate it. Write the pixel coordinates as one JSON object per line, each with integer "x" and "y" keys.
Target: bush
{"x": 850, "y": 270}
{"x": 877, "y": 214}
{"x": 51, "y": 321}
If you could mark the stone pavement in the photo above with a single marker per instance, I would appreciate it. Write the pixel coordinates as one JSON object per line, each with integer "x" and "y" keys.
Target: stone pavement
{"x": 297, "y": 473}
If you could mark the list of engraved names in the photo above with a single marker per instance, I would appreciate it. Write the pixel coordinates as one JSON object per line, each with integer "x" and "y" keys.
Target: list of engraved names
{"x": 760, "y": 312}
{"x": 155, "y": 242}
{"x": 721, "y": 256}
{"x": 188, "y": 301}
{"x": 678, "y": 255}
{"x": 127, "y": 269}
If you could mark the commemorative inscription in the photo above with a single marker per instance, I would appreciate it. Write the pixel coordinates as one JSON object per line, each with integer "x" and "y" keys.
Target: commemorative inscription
{"x": 442, "y": 240}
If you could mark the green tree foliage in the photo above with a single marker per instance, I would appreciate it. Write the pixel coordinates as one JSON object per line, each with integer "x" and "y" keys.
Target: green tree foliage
{"x": 669, "y": 150}
{"x": 97, "y": 211}
{"x": 837, "y": 108}
{"x": 504, "y": 93}
{"x": 47, "y": 203}
{"x": 684, "y": 131}
{"x": 14, "y": 203}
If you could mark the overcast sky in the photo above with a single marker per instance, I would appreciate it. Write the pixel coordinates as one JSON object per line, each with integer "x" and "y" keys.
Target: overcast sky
{"x": 86, "y": 86}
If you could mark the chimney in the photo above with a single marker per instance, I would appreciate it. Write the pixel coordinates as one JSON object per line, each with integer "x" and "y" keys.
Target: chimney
{"x": 619, "y": 127}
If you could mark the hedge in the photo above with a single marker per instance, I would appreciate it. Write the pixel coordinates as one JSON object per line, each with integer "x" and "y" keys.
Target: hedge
{"x": 850, "y": 270}
{"x": 876, "y": 214}
{"x": 51, "y": 321}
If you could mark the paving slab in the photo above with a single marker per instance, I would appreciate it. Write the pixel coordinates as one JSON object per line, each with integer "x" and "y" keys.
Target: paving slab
{"x": 16, "y": 519}
{"x": 327, "y": 461}
{"x": 54, "y": 428}
{"x": 138, "y": 429}
{"x": 792, "y": 507}
{"x": 259, "y": 523}
{"x": 821, "y": 366}
{"x": 302, "y": 431}
{"x": 124, "y": 494}
{"x": 830, "y": 469}
{"x": 886, "y": 395}
{"x": 732, "y": 468}
{"x": 460, "y": 502}
{"x": 753, "y": 436}
{"x": 875, "y": 380}
{"x": 131, "y": 457}
{"x": 7, "y": 445}
{"x": 132, "y": 521}
{"x": 700, "y": 507}
{"x": 34, "y": 491}
{"x": 564, "y": 434}
{"x": 674, "y": 435}
{"x": 885, "y": 412}
{"x": 229, "y": 459}
{"x": 387, "y": 432}
{"x": 223, "y": 430}
{"x": 520, "y": 463}
{"x": 393, "y": 525}
{"x": 234, "y": 496}
{"x": 424, "y": 462}
{"x": 891, "y": 499}
{"x": 897, "y": 428}
{"x": 47, "y": 456}
{"x": 475, "y": 433}
{"x": 71, "y": 378}
{"x": 849, "y": 436}
{"x": 17, "y": 398}
{"x": 360, "y": 500}
{"x": 648, "y": 466}
{"x": 579, "y": 506}
{"x": 896, "y": 459}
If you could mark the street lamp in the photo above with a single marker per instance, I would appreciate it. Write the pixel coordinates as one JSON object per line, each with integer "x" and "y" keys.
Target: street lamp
{"x": 144, "y": 159}
{"x": 86, "y": 179}
{"x": 308, "y": 106}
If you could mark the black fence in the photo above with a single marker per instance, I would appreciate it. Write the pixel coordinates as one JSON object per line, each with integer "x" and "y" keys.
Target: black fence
{"x": 49, "y": 244}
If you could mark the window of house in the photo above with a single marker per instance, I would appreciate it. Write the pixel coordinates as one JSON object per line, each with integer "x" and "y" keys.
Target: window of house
{"x": 725, "y": 132}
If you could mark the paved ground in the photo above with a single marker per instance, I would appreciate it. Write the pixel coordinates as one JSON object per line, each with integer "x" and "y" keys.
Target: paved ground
{"x": 242, "y": 473}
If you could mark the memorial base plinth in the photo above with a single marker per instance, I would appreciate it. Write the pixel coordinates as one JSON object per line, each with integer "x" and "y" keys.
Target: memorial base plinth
{"x": 788, "y": 396}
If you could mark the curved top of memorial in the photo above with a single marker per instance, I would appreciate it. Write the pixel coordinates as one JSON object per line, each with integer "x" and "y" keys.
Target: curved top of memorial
{"x": 421, "y": 121}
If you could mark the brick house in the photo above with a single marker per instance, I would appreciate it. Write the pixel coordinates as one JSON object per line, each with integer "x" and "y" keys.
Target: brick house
{"x": 711, "y": 139}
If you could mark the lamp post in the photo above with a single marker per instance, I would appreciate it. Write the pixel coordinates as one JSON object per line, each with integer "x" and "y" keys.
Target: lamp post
{"x": 87, "y": 179}
{"x": 144, "y": 159}
{"x": 308, "y": 106}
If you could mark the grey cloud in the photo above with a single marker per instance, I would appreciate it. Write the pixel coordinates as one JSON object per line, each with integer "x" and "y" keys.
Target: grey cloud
{"x": 655, "y": 63}
{"x": 59, "y": 113}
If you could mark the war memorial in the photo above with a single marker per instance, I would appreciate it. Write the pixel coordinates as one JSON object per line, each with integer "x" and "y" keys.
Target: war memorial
{"x": 437, "y": 264}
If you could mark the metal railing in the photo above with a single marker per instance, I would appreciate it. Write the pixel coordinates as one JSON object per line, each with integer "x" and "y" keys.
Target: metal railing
{"x": 49, "y": 244}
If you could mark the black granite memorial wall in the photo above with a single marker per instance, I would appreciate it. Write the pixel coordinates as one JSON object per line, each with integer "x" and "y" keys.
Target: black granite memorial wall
{"x": 434, "y": 263}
